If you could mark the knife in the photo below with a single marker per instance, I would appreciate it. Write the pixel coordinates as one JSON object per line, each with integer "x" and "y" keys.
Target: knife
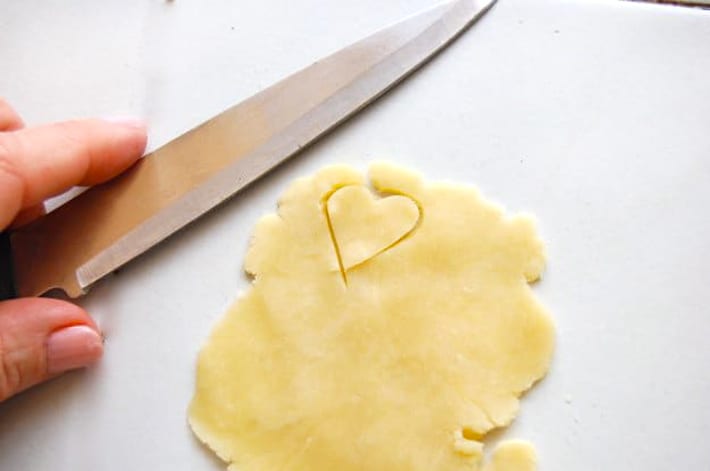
{"x": 108, "y": 225}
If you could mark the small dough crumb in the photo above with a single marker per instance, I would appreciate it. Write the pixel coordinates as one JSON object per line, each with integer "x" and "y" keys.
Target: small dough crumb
{"x": 512, "y": 455}
{"x": 389, "y": 326}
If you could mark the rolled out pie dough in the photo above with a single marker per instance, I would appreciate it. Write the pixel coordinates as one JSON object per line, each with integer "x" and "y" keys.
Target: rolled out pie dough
{"x": 388, "y": 327}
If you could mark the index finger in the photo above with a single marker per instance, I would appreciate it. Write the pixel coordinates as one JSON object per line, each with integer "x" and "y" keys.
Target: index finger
{"x": 44, "y": 161}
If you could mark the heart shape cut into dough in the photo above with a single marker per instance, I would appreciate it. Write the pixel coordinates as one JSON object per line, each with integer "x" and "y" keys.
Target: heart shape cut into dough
{"x": 363, "y": 226}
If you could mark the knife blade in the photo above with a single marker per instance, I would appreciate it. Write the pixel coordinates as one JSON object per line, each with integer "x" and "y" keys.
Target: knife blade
{"x": 108, "y": 225}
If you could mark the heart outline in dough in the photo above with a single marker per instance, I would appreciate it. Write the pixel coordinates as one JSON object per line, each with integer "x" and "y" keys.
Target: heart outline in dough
{"x": 384, "y": 195}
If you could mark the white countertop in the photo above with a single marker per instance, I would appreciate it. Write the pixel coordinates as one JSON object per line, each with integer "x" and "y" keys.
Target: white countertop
{"x": 594, "y": 115}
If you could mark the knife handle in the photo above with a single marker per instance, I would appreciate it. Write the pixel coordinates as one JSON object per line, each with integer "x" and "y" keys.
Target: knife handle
{"x": 7, "y": 287}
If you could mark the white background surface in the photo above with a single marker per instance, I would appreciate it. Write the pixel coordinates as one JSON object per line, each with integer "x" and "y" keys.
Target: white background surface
{"x": 593, "y": 115}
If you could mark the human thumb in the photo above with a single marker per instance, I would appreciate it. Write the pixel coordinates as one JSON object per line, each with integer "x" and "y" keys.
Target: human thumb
{"x": 41, "y": 338}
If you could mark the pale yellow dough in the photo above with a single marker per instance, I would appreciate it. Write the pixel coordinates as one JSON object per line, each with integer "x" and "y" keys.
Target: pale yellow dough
{"x": 512, "y": 455}
{"x": 387, "y": 328}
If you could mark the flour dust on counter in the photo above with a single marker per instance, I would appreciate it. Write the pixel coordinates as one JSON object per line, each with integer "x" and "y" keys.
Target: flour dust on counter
{"x": 389, "y": 326}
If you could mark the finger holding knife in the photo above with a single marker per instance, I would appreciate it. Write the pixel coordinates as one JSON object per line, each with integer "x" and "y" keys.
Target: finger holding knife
{"x": 40, "y": 337}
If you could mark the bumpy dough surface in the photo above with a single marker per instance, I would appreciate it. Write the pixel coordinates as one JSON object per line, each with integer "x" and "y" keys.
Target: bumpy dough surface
{"x": 387, "y": 328}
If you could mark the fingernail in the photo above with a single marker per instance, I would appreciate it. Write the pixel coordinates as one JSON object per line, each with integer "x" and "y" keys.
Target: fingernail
{"x": 127, "y": 121}
{"x": 73, "y": 347}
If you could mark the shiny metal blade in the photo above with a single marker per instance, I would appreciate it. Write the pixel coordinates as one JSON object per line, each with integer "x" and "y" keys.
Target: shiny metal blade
{"x": 108, "y": 225}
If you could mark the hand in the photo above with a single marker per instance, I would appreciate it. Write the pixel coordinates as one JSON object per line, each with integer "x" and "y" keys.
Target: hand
{"x": 42, "y": 338}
